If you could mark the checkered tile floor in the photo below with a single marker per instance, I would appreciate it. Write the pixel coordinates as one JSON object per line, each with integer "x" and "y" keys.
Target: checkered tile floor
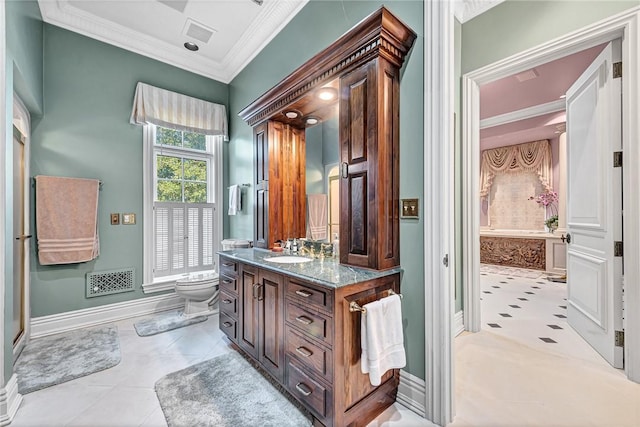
{"x": 532, "y": 311}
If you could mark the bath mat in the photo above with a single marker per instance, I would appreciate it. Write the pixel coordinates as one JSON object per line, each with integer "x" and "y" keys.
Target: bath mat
{"x": 63, "y": 357}
{"x": 226, "y": 391}
{"x": 165, "y": 322}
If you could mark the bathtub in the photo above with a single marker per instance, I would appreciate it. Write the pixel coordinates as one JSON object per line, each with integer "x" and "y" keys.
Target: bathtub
{"x": 538, "y": 250}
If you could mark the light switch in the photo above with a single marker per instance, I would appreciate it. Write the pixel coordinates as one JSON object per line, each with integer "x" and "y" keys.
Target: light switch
{"x": 115, "y": 219}
{"x": 409, "y": 208}
{"x": 128, "y": 218}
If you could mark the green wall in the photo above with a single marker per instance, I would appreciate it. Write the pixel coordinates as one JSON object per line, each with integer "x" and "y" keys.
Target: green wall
{"x": 85, "y": 132}
{"x": 24, "y": 76}
{"x": 514, "y": 26}
{"x": 316, "y": 26}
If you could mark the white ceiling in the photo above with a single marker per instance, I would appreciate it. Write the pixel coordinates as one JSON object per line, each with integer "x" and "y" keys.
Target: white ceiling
{"x": 158, "y": 28}
{"x": 238, "y": 29}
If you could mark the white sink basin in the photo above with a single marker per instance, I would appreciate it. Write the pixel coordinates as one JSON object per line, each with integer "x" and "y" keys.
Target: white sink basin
{"x": 288, "y": 259}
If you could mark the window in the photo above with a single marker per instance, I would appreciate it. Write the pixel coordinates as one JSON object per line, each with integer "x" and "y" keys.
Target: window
{"x": 182, "y": 184}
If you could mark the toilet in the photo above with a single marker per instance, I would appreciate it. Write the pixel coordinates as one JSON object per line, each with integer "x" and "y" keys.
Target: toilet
{"x": 200, "y": 292}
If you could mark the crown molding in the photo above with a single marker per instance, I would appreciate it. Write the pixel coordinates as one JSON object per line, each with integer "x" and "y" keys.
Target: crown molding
{"x": 272, "y": 18}
{"x": 466, "y": 10}
{"x": 525, "y": 113}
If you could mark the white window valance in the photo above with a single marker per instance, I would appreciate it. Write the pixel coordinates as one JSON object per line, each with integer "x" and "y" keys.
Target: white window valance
{"x": 531, "y": 157}
{"x": 152, "y": 105}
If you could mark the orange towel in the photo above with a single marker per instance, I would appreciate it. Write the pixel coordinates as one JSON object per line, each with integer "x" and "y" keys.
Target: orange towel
{"x": 67, "y": 219}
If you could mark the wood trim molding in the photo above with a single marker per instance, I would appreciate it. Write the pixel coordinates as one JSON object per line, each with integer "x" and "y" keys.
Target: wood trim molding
{"x": 380, "y": 34}
{"x": 10, "y": 401}
{"x": 411, "y": 392}
{"x": 63, "y": 322}
{"x": 525, "y": 113}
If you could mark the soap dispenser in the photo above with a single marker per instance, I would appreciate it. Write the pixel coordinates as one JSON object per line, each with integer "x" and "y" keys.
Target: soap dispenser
{"x": 336, "y": 246}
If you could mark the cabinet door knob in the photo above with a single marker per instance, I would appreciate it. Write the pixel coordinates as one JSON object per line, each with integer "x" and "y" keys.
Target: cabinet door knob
{"x": 303, "y": 388}
{"x": 227, "y": 324}
{"x": 304, "y": 351}
{"x": 226, "y": 301}
{"x": 304, "y": 320}
{"x": 305, "y": 294}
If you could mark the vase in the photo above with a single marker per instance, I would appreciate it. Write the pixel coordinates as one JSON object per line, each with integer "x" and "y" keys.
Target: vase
{"x": 551, "y": 229}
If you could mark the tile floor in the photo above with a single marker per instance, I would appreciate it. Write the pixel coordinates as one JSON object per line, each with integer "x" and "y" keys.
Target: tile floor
{"x": 527, "y": 367}
{"x": 124, "y": 395}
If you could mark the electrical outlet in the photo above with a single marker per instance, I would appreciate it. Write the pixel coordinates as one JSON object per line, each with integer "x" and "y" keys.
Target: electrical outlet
{"x": 115, "y": 218}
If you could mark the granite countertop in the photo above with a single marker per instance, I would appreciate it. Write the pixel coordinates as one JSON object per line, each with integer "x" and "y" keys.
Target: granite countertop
{"x": 324, "y": 271}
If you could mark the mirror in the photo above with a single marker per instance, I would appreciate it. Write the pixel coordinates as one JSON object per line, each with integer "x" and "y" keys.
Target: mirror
{"x": 322, "y": 159}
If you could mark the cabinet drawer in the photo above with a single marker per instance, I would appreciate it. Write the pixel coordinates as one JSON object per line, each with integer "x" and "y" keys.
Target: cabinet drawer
{"x": 315, "y": 358}
{"x": 228, "y": 304}
{"x": 314, "y": 324}
{"x": 312, "y": 296}
{"x": 228, "y": 284}
{"x": 228, "y": 267}
{"x": 310, "y": 392}
{"x": 228, "y": 325}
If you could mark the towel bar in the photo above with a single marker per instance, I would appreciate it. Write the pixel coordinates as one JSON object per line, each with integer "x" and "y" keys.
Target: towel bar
{"x": 354, "y": 306}
{"x": 33, "y": 182}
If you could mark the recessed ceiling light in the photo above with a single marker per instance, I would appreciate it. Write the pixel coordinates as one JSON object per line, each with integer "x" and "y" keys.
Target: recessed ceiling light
{"x": 191, "y": 46}
{"x": 312, "y": 121}
{"x": 327, "y": 94}
{"x": 291, "y": 114}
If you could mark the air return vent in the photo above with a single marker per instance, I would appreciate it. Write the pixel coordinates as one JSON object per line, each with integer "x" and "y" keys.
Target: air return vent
{"x": 197, "y": 31}
{"x": 110, "y": 282}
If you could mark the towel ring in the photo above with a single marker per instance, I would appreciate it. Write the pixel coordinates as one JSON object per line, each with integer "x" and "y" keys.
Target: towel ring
{"x": 354, "y": 306}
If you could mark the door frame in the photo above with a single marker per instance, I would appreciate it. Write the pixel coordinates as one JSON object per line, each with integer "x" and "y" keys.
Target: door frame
{"x": 625, "y": 26}
{"x": 21, "y": 113}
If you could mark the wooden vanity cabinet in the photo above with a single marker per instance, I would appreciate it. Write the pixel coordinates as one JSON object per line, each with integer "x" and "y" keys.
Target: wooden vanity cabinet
{"x": 261, "y": 323}
{"x": 366, "y": 61}
{"x": 305, "y": 337}
{"x": 228, "y": 285}
{"x": 370, "y": 175}
{"x": 280, "y": 198}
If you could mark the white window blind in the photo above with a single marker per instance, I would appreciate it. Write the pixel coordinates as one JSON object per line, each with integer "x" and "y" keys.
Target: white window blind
{"x": 184, "y": 237}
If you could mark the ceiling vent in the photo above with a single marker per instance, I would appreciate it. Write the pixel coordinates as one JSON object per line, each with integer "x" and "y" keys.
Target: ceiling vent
{"x": 527, "y": 75}
{"x": 178, "y": 5}
{"x": 197, "y": 31}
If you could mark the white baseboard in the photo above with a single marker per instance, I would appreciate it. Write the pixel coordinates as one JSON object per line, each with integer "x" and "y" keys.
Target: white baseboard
{"x": 62, "y": 322}
{"x": 458, "y": 323}
{"x": 10, "y": 401}
{"x": 412, "y": 393}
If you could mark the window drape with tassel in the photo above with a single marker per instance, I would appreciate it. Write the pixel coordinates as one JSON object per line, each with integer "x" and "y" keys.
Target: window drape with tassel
{"x": 530, "y": 157}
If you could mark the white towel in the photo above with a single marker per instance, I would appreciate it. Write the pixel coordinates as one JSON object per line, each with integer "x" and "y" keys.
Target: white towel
{"x": 235, "y": 198}
{"x": 317, "y": 216}
{"x": 381, "y": 338}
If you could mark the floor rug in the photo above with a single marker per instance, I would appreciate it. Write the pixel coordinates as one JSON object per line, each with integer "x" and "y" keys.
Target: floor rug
{"x": 165, "y": 322}
{"x": 63, "y": 357}
{"x": 225, "y": 391}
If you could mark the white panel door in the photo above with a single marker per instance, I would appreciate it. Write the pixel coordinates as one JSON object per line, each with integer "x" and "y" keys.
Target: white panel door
{"x": 594, "y": 205}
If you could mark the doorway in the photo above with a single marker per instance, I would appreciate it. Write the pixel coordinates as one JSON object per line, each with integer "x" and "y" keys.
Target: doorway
{"x": 586, "y": 38}
{"x": 21, "y": 233}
